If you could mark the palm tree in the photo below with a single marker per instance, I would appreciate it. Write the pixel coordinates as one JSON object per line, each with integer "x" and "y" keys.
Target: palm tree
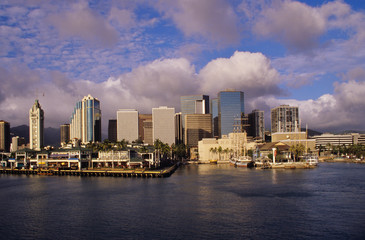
{"x": 219, "y": 152}
{"x": 297, "y": 150}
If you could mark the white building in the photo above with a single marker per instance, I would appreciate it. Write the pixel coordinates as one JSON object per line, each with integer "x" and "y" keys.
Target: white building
{"x": 127, "y": 125}
{"x": 36, "y": 126}
{"x": 163, "y": 124}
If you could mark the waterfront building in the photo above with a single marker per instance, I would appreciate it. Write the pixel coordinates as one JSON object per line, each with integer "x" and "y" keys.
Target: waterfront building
{"x": 256, "y": 123}
{"x": 178, "y": 128}
{"x": 112, "y": 130}
{"x": 233, "y": 144}
{"x": 147, "y": 132}
{"x": 327, "y": 139}
{"x": 85, "y": 122}
{"x": 65, "y": 133}
{"x": 36, "y": 126}
{"x": 141, "y": 119}
{"x": 127, "y": 125}
{"x": 197, "y": 127}
{"x": 163, "y": 124}
{"x": 4, "y": 136}
{"x": 17, "y": 143}
{"x": 230, "y": 111}
{"x": 214, "y": 112}
{"x": 285, "y": 118}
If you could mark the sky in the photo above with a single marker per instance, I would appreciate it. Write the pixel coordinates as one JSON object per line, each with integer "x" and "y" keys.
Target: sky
{"x": 139, "y": 54}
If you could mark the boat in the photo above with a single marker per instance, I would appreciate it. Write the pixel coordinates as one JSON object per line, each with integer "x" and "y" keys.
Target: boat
{"x": 213, "y": 161}
{"x": 311, "y": 160}
{"x": 244, "y": 161}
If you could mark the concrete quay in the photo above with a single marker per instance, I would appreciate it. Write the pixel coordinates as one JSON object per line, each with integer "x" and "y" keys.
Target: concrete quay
{"x": 141, "y": 173}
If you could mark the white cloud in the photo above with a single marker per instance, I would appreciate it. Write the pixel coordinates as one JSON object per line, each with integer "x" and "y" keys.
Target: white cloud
{"x": 83, "y": 22}
{"x": 214, "y": 20}
{"x": 295, "y": 24}
{"x": 245, "y": 71}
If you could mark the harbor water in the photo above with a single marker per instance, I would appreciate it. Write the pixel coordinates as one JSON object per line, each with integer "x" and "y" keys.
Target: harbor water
{"x": 196, "y": 202}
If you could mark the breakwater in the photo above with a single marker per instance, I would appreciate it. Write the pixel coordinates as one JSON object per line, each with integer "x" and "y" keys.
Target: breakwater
{"x": 143, "y": 173}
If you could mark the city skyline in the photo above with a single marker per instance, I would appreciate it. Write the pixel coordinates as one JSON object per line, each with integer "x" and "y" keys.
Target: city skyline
{"x": 142, "y": 55}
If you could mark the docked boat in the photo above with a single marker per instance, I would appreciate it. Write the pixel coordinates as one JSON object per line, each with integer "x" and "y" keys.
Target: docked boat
{"x": 213, "y": 161}
{"x": 244, "y": 161}
{"x": 311, "y": 160}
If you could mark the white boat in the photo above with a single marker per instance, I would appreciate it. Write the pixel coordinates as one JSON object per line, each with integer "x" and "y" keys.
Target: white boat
{"x": 244, "y": 161}
{"x": 311, "y": 160}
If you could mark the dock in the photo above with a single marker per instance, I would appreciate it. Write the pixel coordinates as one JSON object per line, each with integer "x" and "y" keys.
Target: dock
{"x": 137, "y": 173}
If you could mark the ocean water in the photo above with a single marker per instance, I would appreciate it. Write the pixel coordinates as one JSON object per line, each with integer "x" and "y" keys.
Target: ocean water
{"x": 196, "y": 202}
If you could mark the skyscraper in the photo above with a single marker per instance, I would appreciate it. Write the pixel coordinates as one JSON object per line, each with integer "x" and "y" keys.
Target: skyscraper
{"x": 127, "y": 125}
{"x": 4, "y": 136}
{"x": 65, "y": 133}
{"x": 257, "y": 124}
{"x": 141, "y": 119}
{"x": 214, "y": 112}
{"x": 163, "y": 124}
{"x": 230, "y": 111}
{"x": 194, "y": 104}
{"x": 36, "y": 126}
{"x": 112, "y": 130}
{"x": 197, "y": 127}
{"x": 285, "y": 119}
{"x": 85, "y": 123}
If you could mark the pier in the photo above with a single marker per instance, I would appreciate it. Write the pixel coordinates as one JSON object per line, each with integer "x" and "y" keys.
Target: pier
{"x": 138, "y": 173}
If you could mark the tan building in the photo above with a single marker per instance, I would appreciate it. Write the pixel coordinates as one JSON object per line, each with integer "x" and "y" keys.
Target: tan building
{"x": 141, "y": 119}
{"x": 147, "y": 132}
{"x": 197, "y": 127}
{"x": 36, "y": 126}
{"x": 127, "y": 125}
{"x": 4, "y": 136}
{"x": 233, "y": 144}
{"x": 294, "y": 138}
{"x": 163, "y": 121}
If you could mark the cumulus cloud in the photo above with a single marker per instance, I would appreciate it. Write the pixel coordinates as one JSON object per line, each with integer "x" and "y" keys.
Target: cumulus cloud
{"x": 245, "y": 71}
{"x": 83, "y": 22}
{"x": 295, "y": 24}
{"x": 214, "y": 20}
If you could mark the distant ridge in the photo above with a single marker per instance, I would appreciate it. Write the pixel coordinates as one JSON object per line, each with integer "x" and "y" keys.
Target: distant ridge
{"x": 51, "y": 135}
{"x": 311, "y": 132}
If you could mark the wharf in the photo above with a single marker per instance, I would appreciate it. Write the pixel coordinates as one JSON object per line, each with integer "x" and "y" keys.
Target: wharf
{"x": 143, "y": 173}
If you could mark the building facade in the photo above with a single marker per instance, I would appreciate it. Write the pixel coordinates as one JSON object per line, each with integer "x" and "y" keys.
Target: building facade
{"x": 112, "y": 130}
{"x": 197, "y": 127}
{"x": 230, "y": 111}
{"x": 178, "y": 129}
{"x": 214, "y": 112}
{"x": 127, "y": 125}
{"x": 285, "y": 119}
{"x": 163, "y": 124}
{"x": 147, "y": 132}
{"x": 36, "y": 127}
{"x": 256, "y": 123}
{"x": 85, "y": 122}
{"x": 4, "y": 136}
{"x": 328, "y": 140}
{"x": 65, "y": 133}
{"x": 141, "y": 119}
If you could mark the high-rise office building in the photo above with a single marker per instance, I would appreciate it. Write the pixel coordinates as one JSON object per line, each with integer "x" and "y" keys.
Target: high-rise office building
{"x": 112, "y": 130}
{"x": 65, "y": 133}
{"x": 36, "y": 126}
{"x": 230, "y": 111}
{"x": 178, "y": 129}
{"x": 4, "y": 136}
{"x": 141, "y": 119}
{"x": 85, "y": 122}
{"x": 163, "y": 124}
{"x": 256, "y": 124}
{"x": 127, "y": 125}
{"x": 147, "y": 132}
{"x": 194, "y": 104}
{"x": 197, "y": 127}
{"x": 285, "y": 119}
{"x": 214, "y": 112}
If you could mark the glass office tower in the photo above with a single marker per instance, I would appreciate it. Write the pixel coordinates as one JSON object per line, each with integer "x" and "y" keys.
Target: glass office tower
{"x": 230, "y": 111}
{"x": 214, "y": 112}
{"x": 85, "y": 122}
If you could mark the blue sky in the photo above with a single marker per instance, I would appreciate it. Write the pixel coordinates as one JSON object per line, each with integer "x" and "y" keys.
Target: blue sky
{"x": 144, "y": 54}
